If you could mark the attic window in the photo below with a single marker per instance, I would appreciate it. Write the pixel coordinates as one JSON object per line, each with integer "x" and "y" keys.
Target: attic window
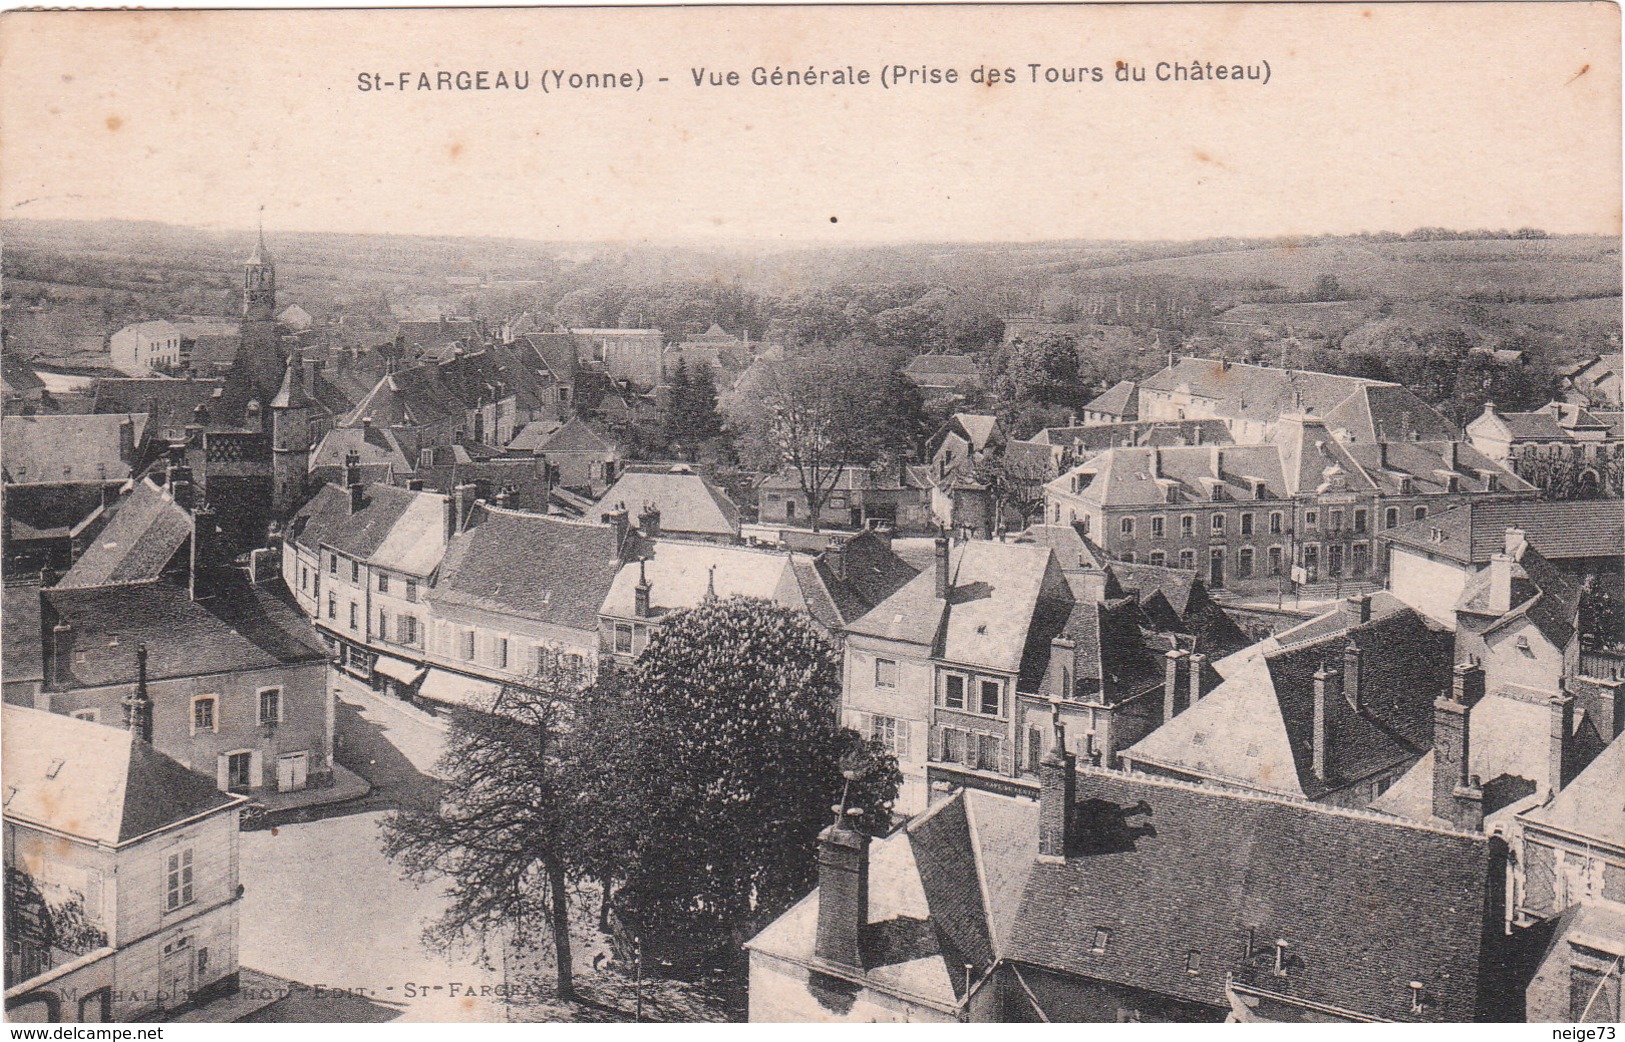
{"x": 1437, "y": 534}
{"x": 1193, "y": 962}
{"x": 56, "y": 766}
{"x": 1103, "y": 937}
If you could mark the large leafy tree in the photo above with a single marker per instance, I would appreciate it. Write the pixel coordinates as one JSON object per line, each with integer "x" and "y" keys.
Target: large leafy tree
{"x": 829, "y": 407}
{"x": 721, "y": 765}
{"x": 503, "y": 835}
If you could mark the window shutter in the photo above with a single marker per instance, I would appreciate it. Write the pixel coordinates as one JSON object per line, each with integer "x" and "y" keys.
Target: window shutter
{"x": 222, "y": 773}
{"x": 902, "y": 739}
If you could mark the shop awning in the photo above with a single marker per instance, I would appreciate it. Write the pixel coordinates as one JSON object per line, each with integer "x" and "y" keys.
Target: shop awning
{"x": 406, "y": 672}
{"x": 456, "y": 689}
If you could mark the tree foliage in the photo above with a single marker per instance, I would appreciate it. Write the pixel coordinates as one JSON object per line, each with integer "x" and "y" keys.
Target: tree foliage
{"x": 719, "y": 767}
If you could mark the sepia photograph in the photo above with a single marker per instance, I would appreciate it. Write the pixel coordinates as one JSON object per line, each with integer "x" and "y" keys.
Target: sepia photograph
{"x": 812, "y": 514}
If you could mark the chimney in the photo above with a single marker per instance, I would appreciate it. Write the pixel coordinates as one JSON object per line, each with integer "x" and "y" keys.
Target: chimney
{"x": 1357, "y": 610}
{"x": 1170, "y": 686}
{"x": 1353, "y": 660}
{"x": 1499, "y": 594}
{"x": 944, "y": 584}
{"x": 180, "y": 486}
{"x": 1156, "y": 462}
{"x": 1321, "y": 736}
{"x": 640, "y": 592}
{"x": 61, "y": 660}
{"x": 126, "y": 439}
{"x": 1450, "y": 454}
{"x": 307, "y": 370}
{"x": 462, "y": 502}
{"x": 1064, "y": 653}
{"x": 252, "y": 418}
{"x": 1457, "y": 797}
{"x": 649, "y": 521}
{"x": 1057, "y": 789}
{"x": 137, "y": 705}
{"x": 1196, "y": 662}
{"x": 835, "y": 555}
{"x": 1558, "y": 751}
{"x": 618, "y": 519}
{"x": 843, "y": 890}
{"x": 502, "y": 498}
{"x": 414, "y": 485}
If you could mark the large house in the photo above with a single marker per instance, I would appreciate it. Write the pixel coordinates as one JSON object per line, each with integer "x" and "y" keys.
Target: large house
{"x": 121, "y": 875}
{"x": 60, "y": 473}
{"x": 1307, "y": 507}
{"x": 680, "y": 503}
{"x": 1115, "y": 898}
{"x": 897, "y": 495}
{"x": 634, "y": 355}
{"x": 1568, "y": 450}
{"x": 146, "y": 348}
{"x": 945, "y": 375}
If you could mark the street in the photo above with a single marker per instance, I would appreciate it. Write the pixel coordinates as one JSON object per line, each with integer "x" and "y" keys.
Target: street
{"x": 322, "y": 904}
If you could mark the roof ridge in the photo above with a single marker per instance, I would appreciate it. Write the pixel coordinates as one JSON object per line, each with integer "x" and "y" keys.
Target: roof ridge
{"x": 981, "y": 876}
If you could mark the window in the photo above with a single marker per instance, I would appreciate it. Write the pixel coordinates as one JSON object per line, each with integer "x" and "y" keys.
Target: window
{"x": 412, "y": 590}
{"x": 1246, "y": 524}
{"x": 1419, "y": 513}
{"x": 885, "y": 673}
{"x": 383, "y": 582}
{"x": 989, "y": 752}
{"x": 953, "y": 691}
{"x": 203, "y": 717}
{"x": 1187, "y": 524}
{"x": 1359, "y": 519}
{"x": 1215, "y": 567}
{"x": 1311, "y": 562}
{"x": 1187, "y": 559}
{"x": 1275, "y": 560}
{"x": 332, "y": 608}
{"x": 1275, "y": 522}
{"x": 1337, "y": 520}
{"x": 1244, "y": 563}
{"x": 355, "y": 618}
{"x": 383, "y": 624}
{"x": 1128, "y": 556}
{"x": 468, "y": 643}
{"x": 502, "y": 652}
{"x": 890, "y": 732}
{"x": 1085, "y": 524}
{"x": 1159, "y": 558}
{"x": 178, "y": 880}
{"x": 1193, "y": 962}
{"x": 332, "y": 564}
{"x": 1218, "y": 524}
{"x": 1311, "y": 518}
{"x": 623, "y": 639}
{"x": 1360, "y": 559}
{"x": 355, "y": 573}
{"x": 1159, "y": 526}
{"x": 1334, "y": 559}
{"x": 406, "y": 628}
{"x": 1127, "y": 525}
{"x": 271, "y": 705}
{"x": 953, "y": 745}
{"x": 304, "y": 579}
{"x": 1035, "y": 748}
{"x": 1103, "y": 937}
{"x": 1390, "y": 517}
{"x": 992, "y": 697}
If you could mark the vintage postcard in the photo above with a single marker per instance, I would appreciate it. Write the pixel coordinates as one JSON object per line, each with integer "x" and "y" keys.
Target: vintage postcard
{"x": 898, "y": 513}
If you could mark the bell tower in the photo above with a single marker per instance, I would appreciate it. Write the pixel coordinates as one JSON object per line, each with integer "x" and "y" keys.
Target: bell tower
{"x": 259, "y": 282}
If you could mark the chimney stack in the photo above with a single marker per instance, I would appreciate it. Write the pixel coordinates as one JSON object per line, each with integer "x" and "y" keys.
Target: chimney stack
{"x": 137, "y": 705}
{"x": 944, "y": 584}
{"x": 1064, "y": 653}
{"x": 835, "y": 554}
{"x": 1357, "y": 610}
{"x": 1558, "y": 751}
{"x": 619, "y": 520}
{"x": 843, "y": 890}
{"x": 1353, "y": 661}
{"x": 649, "y": 521}
{"x": 462, "y": 501}
{"x": 1170, "y": 685}
{"x": 1196, "y": 662}
{"x": 640, "y": 592}
{"x": 414, "y": 485}
{"x": 205, "y": 548}
{"x": 1457, "y": 797}
{"x": 1322, "y": 725}
{"x": 126, "y": 439}
{"x": 352, "y": 480}
{"x": 1057, "y": 790}
{"x": 61, "y": 660}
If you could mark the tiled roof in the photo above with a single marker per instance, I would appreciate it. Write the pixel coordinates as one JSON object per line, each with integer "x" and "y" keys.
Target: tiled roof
{"x": 144, "y": 535}
{"x": 870, "y": 572}
{"x": 1388, "y": 412}
{"x": 1072, "y": 550}
{"x": 1559, "y": 529}
{"x": 377, "y": 447}
{"x": 530, "y": 565}
{"x": 1167, "y": 869}
{"x": 687, "y": 501}
{"x": 20, "y": 639}
{"x": 66, "y": 448}
{"x": 1254, "y": 392}
{"x": 1593, "y": 804}
{"x": 1122, "y": 399}
{"x": 417, "y": 538}
{"x": 1100, "y": 436}
{"x": 242, "y": 628}
{"x": 95, "y": 782}
{"x": 170, "y": 403}
{"x": 1541, "y": 593}
{"x": 531, "y": 436}
{"x": 326, "y": 520}
{"x": 575, "y": 435}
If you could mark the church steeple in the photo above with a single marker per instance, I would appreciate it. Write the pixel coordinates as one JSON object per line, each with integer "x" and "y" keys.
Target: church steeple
{"x": 259, "y": 281}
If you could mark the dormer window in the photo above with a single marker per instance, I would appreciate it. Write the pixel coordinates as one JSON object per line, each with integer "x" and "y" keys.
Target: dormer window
{"x": 1103, "y": 937}
{"x": 1281, "y": 958}
{"x": 1193, "y": 962}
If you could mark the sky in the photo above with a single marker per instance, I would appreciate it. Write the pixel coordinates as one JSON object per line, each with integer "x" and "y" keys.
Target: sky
{"x": 1375, "y": 117}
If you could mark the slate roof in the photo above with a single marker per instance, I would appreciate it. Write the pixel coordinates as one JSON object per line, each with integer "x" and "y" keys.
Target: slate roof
{"x": 1168, "y": 869}
{"x": 1388, "y": 412}
{"x": 67, "y": 448}
{"x": 377, "y": 446}
{"x": 687, "y": 501}
{"x": 1256, "y": 728}
{"x": 1254, "y": 392}
{"x": 1593, "y": 804}
{"x": 523, "y": 478}
{"x": 170, "y": 404}
{"x": 1559, "y": 529}
{"x": 18, "y": 375}
{"x": 1122, "y": 400}
{"x": 94, "y": 782}
{"x": 531, "y": 436}
{"x": 326, "y": 519}
{"x": 146, "y": 532}
{"x": 575, "y": 435}
{"x": 1547, "y": 597}
{"x": 870, "y": 573}
{"x": 538, "y": 567}
{"x": 242, "y": 628}
{"x": 1071, "y": 549}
